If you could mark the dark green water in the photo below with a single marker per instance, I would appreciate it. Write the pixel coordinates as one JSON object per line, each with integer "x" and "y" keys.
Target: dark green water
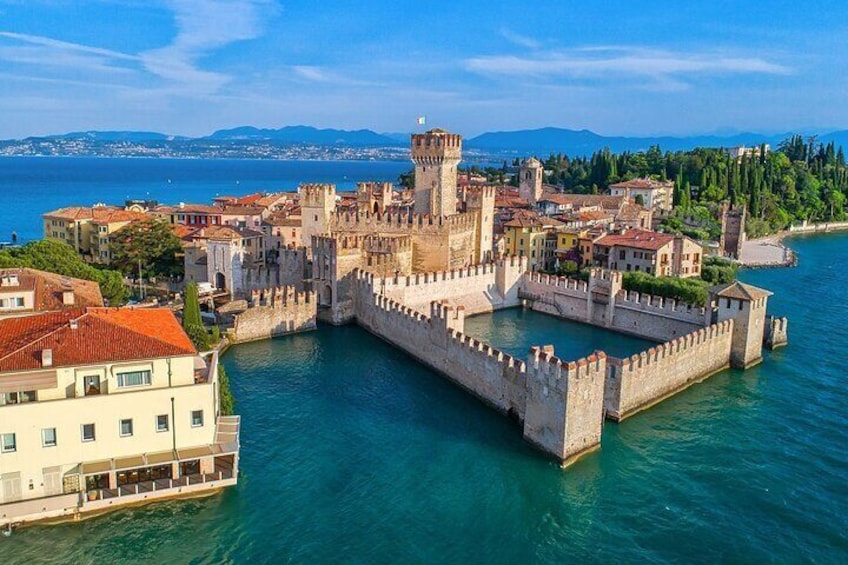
{"x": 352, "y": 452}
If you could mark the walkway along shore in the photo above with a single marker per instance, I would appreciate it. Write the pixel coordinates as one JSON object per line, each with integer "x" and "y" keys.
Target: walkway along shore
{"x": 770, "y": 251}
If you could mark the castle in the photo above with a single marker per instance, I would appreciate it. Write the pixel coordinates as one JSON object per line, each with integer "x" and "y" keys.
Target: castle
{"x": 412, "y": 278}
{"x": 435, "y": 236}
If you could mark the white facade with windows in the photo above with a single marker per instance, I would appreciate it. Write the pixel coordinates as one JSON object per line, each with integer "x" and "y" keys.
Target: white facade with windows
{"x": 97, "y": 434}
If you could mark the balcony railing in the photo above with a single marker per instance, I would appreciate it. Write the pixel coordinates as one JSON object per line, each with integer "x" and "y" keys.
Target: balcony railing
{"x": 156, "y": 485}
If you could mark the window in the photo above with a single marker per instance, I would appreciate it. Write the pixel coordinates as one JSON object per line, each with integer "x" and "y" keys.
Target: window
{"x": 135, "y": 378}
{"x": 48, "y": 437}
{"x": 91, "y": 384}
{"x": 17, "y": 397}
{"x": 622, "y": 254}
{"x": 88, "y": 432}
{"x": 126, "y": 427}
{"x": 196, "y": 418}
{"x": 162, "y": 423}
{"x": 8, "y": 443}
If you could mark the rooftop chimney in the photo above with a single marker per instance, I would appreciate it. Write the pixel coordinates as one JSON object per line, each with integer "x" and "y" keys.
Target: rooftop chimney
{"x": 68, "y": 296}
{"x": 74, "y": 324}
{"x": 46, "y": 357}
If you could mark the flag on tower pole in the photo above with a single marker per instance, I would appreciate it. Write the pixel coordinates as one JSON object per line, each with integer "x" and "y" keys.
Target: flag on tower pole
{"x": 422, "y": 120}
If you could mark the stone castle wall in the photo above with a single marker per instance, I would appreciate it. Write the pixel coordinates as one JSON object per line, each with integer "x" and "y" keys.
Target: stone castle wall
{"x": 290, "y": 270}
{"x": 651, "y": 317}
{"x": 276, "y": 311}
{"x": 554, "y": 400}
{"x": 776, "y": 332}
{"x": 640, "y": 381}
{"x": 481, "y": 288}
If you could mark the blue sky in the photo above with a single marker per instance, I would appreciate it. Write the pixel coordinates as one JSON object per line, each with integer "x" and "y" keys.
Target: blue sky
{"x": 614, "y": 66}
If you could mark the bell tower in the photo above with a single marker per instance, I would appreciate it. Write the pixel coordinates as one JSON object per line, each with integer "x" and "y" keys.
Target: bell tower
{"x": 436, "y": 155}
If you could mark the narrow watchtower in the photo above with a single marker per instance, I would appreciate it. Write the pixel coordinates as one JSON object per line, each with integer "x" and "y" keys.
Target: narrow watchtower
{"x": 746, "y": 306}
{"x": 436, "y": 155}
{"x": 530, "y": 180}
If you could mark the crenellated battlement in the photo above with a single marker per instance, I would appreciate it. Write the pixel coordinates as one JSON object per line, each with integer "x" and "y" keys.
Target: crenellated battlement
{"x": 387, "y": 243}
{"x": 607, "y": 275}
{"x": 375, "y": 188}
{"x": 680, "y": 346}
{"x": 405, "y": 222}
{"x": 661, "y": 304}
{"x": 552, "y": 369}
{"x": 317, "y": 195}
{"x": 640, "y": 381}
{"x": 776, "y": 332}
{"x": 558, "y": 282}
{"x": 417, "y": 279}
{"x": 281, "y": 297}
{"x": 435, "y": 147}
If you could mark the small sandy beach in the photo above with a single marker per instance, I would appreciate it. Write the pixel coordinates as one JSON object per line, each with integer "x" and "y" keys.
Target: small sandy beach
{"x": 767, "y": 251}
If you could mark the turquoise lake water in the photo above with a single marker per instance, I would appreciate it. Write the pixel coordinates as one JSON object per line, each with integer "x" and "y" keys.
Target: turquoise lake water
{"x": 31, "y": 186}
{"x": 352, "y": 452}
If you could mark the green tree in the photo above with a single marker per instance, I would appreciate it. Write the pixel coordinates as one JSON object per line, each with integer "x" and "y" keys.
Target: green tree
{"x": 192, "y": 322}
{"x": 228, "y": 402}
{"x": 150, "y": 243}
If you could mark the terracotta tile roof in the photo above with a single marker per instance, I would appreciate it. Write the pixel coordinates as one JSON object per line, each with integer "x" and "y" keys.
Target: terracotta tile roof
{"x": 637, "y": 239}
{"x": 242, "y": 210}
{"x": 184, "y": 232}
{"x": 198, "y": 209}
{"x": 49, "y": 289}
{"x": 108, "y": 215}
{"x": 227, "y": 233}
{"x": 102, "y": 335}
{"x": 740, "y": 291}
{"x": 70, "y": 213}
{"x": 272, "y": 199}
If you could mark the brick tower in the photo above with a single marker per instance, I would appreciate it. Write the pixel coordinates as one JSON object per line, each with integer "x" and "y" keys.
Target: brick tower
{"x": 436, "y": 155}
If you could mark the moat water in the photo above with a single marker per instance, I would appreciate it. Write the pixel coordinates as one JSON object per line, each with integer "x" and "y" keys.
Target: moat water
{"x": 352, "y": 452}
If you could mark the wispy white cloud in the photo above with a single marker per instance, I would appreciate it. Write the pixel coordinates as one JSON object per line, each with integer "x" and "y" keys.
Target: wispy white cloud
{"x": 520, "y": 40}
{"x": 662, "y": 67}
{"x": 66, "y": 46}
{"x": 315, "y": 74}
{"x": 203, "y": 26}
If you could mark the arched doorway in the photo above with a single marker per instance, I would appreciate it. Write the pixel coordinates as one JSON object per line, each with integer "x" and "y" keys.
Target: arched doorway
{"x": 220, "y": 281}
{"x": 326, "y": 296}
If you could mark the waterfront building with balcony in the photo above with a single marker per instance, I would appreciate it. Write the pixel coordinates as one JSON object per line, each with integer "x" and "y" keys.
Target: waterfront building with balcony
{"x": 102, "y": 407}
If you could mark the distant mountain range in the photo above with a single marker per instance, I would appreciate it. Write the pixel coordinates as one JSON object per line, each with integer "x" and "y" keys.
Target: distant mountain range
{"x": 585, "y": 142}
{"x": 305, "y": 135}
{"x": 501, "y": 143}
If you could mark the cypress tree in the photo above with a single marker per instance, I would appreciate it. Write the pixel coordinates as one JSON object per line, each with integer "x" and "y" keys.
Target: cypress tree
{"x": 191, "y": 307}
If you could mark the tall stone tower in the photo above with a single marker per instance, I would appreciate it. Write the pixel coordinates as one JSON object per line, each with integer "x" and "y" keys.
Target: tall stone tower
{"x": 746, "y": 306}
{"x": 530, "y": 180}
{"x": 317, "y": 204}
{"x": 436, "y": 155}
{"x": 732, "y": 230}
{"x": 481, "y": 201}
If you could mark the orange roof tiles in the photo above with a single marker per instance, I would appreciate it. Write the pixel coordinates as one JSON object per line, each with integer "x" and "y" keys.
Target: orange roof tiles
{"x": 49, "y": 289}
{"x": 639, "y": 239}
{"x": 101, "y": 335}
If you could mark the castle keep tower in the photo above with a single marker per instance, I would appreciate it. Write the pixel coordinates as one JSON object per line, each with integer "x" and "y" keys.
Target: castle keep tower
{"x": 436, "y": 155}
{"x": 530, "y": 180}
{"x": 317, "y": 204}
